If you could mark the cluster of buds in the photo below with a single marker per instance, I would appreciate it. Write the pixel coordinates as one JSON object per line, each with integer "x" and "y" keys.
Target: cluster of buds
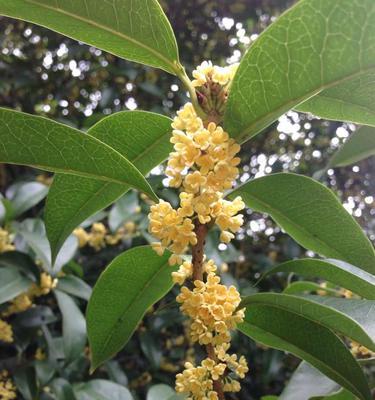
{"x": 203, "y": 165}
{"x": 212, "y": 85}
{"x": 98, "y": 236}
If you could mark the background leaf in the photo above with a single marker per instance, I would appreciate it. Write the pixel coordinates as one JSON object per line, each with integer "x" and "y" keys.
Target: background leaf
{"x": 136, "y": 30}
{"x": 312, "y": 47}
{"x": 306, "y": 382}
{"x": 311, "y": 214}
{"x": 45, "y": 144}
{"x": 141, "y": 137}
{"x": 13, "y": 283}
{"x": 334, "y": 271}
{"x": 74, "y": 326}
{"x": 75, "y": 286}
{"x": 130, "y": 284}
{"x": 101, "y": 389}
{"x": 312, "y": 342}
{"x": 360, "y": 145}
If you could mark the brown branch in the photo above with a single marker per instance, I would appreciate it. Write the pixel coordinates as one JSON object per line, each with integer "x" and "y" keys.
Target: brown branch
{"x": 197, "y": 261}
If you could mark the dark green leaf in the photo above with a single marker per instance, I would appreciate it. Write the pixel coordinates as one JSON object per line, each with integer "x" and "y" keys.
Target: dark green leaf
{"x": 25, "y": 380}
{"x": 130, "y": 284}
{"x": 334, "y": 271}
{"x": 353, "y": 100}
{"x": 351, "y": 318}
{"x": 62, "y": 389}
{"x": 13, "y": 283}
{"x": 74, "y": 326}
{"x": 306, "y": 382}
{"x": 360, "y": 145}
{"x": 312, "y": 47}
{"x": 35, "y": 316}
{"x": 136, "y": 30}
{"x": 42, "y": 143}
{"x": 75, "y": 286}
{"x": 312, "y": 215}
{"x": 312, "y": 342}
{"x": 20, "y": 261}
{"x": 141, "y": 137}
{"x": 100, "y": 389}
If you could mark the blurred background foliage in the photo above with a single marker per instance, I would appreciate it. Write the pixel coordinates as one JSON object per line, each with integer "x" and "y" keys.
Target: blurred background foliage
{"x": 44, "y": 73}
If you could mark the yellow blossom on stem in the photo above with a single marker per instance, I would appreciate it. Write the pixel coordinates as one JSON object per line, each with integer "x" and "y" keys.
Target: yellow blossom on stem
{"x": 7, "y": 387}
{"x": 6, "y": 332}
{"x": 5, "y": 241}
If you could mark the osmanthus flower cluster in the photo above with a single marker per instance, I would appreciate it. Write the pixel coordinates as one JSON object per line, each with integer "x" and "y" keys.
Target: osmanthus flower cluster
{"x": 203, "y": 165}
{"x": 23, "y": 302}
{"x": 7, "y": 387}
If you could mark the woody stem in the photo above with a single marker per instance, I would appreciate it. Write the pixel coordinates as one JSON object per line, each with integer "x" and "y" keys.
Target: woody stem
{"x": 197, "y": 261}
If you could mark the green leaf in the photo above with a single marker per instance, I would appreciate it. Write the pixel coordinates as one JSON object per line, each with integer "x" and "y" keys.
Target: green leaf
{"x": 312, "y": 47}
{"x": 112, "y": 316}
{"x": 312, "y": 342}
{"x": 360, "y": 145}
{"x": 351, "y": 318}
{"x": 25, "y": 195}
{"x": 141, "y": 137}
{"x": 75, "y": 286}
{"x": 62, "y": 389}
{"x": 340, "y": 395}
{"x": 308, "y": 287}
{"x": 306, "y": 382}
{"x": 22, "y": 262}
{"x": 160, "y": 392}
{"x": 100, "y": 389}
{"x": 33, "y": 232}
{"x": 334, "y": 271}
{"x": 42, "y": 143}
{"x": 73, "y": 326}
{"x": 12, "y": 284}
{"x": 352, "y": 101}
{"x": 136, "y": 30}
{"x": 124, "y": 210}
{"x": 311, "y": 214}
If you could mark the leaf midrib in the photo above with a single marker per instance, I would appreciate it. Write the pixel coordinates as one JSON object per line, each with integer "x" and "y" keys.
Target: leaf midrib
{"x": 243, "y": 135}
{"x": 300, "y": 227}
{"x": 107, "y": 29}
{"x": 311, "y": 302}
{"x": 334, "y": 371}
{"x": 131, "y": 303}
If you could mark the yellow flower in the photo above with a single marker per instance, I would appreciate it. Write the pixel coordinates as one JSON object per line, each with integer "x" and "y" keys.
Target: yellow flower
{"x": 5, "y": 241}
{"x": 7, "y": 388}
{"x": 19, "y": 304}
{"x": 82, "y": 236}
{"x": 6, "y": 332}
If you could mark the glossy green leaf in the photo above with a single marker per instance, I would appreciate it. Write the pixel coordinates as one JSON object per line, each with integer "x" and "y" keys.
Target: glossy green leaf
{"x": 141, "y": 137}
{"x": 13, "y": 283}
{"x": 22, "y": 262}
{"x": 351, "y": 318}
{"x": 307, "y": 382}
{"x": 312, "y": 47}
{"x": 312, "y": 342}
{"x": 62, "y": 389}
{"x": 360, "y": 145}
{"x": 101, "y": 389}
{"x": 136, "y": 30}
{"x": 130, "y": 284}
{"x": 334, "y": 271}
{"x": 75, "y": 286}
{"x": 311, "y": 214}
{"x": 352, "y": 101}
{"x": 308, "y": 287}
{"x": 340, "y": 395}
{"x": 25, "y": 195}
{"x": 73, "y": 326}
{"x": 42, "y": 143}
